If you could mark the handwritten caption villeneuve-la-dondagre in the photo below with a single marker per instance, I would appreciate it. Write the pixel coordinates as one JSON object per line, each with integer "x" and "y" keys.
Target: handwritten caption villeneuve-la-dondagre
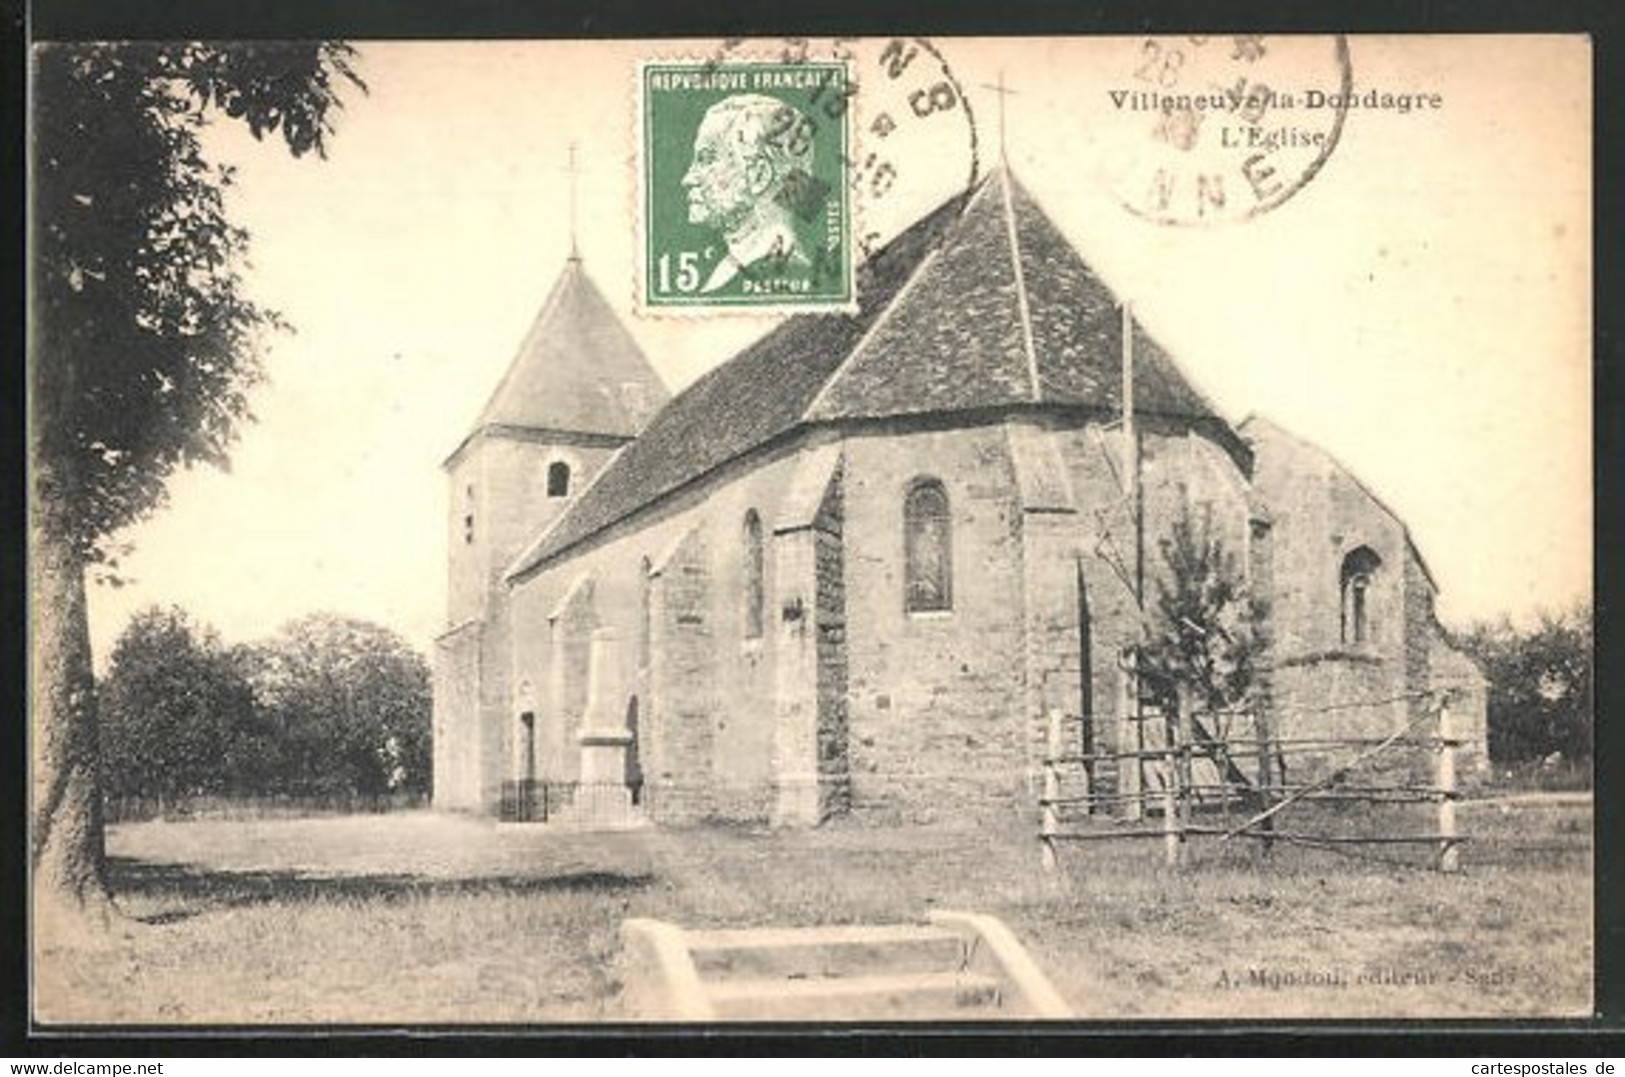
{"x": 1255, "y": 103}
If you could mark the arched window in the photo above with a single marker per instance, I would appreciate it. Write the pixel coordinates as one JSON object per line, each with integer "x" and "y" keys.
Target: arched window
{"x": 928, "y": 561}
{"x": 1359, "y": 569}
{"x": 558, "y": 479}
{"x": 755, "y": 576}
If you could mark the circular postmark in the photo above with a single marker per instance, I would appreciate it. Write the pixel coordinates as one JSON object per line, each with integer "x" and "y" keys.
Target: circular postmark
{"x": 769, "y": 171}
{"x": 915, "y": 141}
{"x": 1219, "y": 129}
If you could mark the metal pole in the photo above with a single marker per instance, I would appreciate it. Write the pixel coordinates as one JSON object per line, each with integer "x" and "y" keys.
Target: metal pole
{"x": 575, "y": 251}
{"x": 1131, "y": 493}
{"x": 1131, "y": 454}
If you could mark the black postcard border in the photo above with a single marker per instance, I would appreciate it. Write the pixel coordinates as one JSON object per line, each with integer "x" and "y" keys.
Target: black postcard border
{"x": 68, "y": 20}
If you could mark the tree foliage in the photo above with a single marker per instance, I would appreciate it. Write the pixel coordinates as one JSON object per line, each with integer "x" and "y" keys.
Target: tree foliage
{"x": 1540, "y": 698}
{"x": 145, "y": 344}
{"x": 142, "y": 350}
{"x": 350, "y": 705}
{"x": 329, "y": 707}
{"x": 1207, "y": 631}
{"x": 171, "y": 704}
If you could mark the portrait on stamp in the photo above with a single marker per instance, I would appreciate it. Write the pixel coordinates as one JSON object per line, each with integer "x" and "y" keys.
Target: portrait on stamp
{"x": 745, "y": 202}
{"x": 748, "y": 185}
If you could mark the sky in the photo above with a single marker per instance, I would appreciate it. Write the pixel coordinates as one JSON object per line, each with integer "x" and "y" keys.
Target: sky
{"x": 1420, "y": 307}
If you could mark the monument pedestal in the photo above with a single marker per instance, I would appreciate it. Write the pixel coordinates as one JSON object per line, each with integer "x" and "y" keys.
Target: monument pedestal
{"x": 602, "y": 798}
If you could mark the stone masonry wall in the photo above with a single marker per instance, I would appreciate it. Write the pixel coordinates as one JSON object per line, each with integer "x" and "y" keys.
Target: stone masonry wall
{"x": 944, "y": 711}
{"x": 1179, "y": 472}
{"x": 456, "y": 688}
{"x": 1418, "y": 623}
{"x": 834, "y": 749}
{"x": 936, "y": 717}
{"x": 685, "y": 772}
{"x": 940, "y": 715}
{"x": 568, "y": 642}
{"x": 496, "y": 503}
{"x": 706, "y": 727}
{"x": 1326, "y": 686}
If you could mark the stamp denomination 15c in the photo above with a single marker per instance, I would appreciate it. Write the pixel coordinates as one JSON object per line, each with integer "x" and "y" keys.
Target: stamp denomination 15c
{"x": 744, "y": 201}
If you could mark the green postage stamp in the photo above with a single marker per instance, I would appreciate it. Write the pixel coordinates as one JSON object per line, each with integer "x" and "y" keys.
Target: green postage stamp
{"x": 744, "y": 202}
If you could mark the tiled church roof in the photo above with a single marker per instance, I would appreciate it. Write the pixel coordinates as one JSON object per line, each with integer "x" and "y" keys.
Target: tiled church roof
{"x": 946, "y": 324}
{"x": 577, "y": 370}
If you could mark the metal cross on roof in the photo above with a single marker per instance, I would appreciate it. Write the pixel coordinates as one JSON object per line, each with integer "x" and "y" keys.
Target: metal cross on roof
{"x": 1003, "y": 91}
{"x": 575, "y": 252}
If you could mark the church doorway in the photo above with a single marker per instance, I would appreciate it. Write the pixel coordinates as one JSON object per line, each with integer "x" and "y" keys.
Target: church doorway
{"x": 526, "y": 800}
{"x": 527, "y": 745}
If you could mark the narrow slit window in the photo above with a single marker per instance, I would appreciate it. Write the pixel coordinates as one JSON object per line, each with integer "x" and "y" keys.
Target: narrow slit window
{"x": 927, "y": 548}
{"x": 558, "y": 479}
{"x": 1359, "y": 571}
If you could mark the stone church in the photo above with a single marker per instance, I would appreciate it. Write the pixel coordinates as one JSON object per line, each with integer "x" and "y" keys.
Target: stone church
{"x": 853, "y": 569}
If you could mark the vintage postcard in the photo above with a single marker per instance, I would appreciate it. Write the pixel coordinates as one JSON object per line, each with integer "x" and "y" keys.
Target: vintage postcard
{"x": 888, "y": 529}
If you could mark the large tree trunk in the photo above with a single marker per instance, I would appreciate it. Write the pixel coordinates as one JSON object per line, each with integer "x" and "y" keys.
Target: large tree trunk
{"x": 66, "y": 851}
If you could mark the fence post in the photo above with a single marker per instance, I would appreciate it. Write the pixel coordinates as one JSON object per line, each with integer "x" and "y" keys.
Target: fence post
{"x": 1130, "y": 742}
{"x": 1175, "y": 783}
{"x": 1170, "y": 788}
{"x": 1184, "y": 722}
{"x": 1445, "y": 779}
{"x": 1050, "y": 823}
{"x": 1266, "y": 776}
{"x": 1170, "y": 813}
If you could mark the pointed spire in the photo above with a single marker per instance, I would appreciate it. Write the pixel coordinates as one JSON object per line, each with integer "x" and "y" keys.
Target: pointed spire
{"x": 577, "y": 369}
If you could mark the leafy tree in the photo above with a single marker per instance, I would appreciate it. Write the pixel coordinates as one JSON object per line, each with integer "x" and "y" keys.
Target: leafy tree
{"x": 175, "y": 705}
{"x": 1540, "y": 698}
{"x": 350, "y": 702}
{"x": 1207, "y": 634}
{"x": 142, "y": 352}
{"x": 1204, "y": 643}
{"x": 330, "y": 706}
{"x": 255, "y": 763}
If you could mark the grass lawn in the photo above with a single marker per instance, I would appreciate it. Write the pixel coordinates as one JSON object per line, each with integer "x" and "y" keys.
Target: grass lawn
{"x": 418, "y": 918}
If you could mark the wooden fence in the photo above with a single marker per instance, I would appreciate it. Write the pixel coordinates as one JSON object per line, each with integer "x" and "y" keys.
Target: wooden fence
{"x": 1176, "y": 781}
{"x": 135, "y": 808}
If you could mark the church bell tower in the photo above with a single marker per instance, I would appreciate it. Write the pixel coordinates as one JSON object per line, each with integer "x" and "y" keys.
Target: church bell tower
{"x": 577, "y": 390}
